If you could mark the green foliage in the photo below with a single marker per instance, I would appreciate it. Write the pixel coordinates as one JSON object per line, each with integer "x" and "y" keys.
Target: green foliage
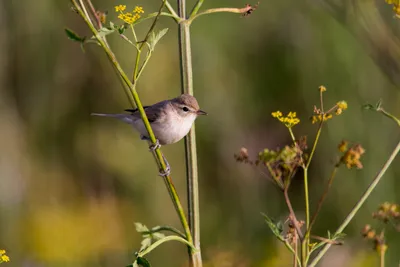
{"x": 154, "y": 38}
{"x": 276, "y": 227}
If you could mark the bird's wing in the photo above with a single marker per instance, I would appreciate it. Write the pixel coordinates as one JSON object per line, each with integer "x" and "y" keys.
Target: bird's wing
{"x": 152, "y": 113}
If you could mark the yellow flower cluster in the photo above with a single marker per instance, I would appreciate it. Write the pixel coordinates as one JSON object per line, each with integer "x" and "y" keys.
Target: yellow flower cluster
{"x": 129, "y": 17}
{"x": 3, "y": 256}
{"x": 320, "y": 117}
{"x": 290, "y": 120}
{"x": 351, "y": 156}
{"x": 396, "y": 6}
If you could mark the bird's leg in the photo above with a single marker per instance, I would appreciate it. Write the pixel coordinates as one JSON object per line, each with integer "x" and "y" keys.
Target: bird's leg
{"x": 152, "y": 147}
{"x": 155, "y": 146}
{"x": 167, "y": 169}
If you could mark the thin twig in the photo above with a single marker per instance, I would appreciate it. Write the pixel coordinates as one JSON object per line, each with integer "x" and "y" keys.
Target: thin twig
{"x": 94, "y": 13}
{"x": 221, "y": 9}
{"x": 326, "y": 240}
{"x": 358, "y": 205}
{"x": 292, "y": 214}
{"x": 322, "y": 199}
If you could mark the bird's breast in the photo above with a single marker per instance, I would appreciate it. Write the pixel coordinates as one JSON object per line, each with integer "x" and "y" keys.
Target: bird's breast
{"x": 173, "y": 130}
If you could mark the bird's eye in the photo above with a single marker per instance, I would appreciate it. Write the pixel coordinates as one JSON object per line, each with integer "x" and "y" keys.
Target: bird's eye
{"x": 185, "y": 109}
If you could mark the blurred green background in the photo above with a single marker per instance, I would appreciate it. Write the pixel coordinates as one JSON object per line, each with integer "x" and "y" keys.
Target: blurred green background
{"x": 73, "y": 185}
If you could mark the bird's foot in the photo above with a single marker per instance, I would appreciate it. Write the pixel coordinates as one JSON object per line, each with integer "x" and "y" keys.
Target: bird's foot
{"x": 167, "y": 171}
{"x": 154, "y": 147}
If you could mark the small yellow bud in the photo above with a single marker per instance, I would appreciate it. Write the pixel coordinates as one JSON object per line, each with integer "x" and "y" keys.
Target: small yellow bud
{"x": 322, "y": 88}
{"x": 342, "y": 105}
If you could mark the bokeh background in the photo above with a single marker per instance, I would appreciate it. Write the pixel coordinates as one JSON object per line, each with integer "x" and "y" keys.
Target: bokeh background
{"x": 73, "y": 185}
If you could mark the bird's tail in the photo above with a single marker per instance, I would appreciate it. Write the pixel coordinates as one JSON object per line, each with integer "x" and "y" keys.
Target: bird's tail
{"x": 123, "y": 117}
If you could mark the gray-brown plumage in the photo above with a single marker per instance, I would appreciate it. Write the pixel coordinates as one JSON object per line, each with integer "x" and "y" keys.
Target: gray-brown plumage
{"x": 170, "y": 119}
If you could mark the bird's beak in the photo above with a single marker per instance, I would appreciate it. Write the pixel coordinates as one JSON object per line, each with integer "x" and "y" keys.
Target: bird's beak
{"x": 200, "y": 112}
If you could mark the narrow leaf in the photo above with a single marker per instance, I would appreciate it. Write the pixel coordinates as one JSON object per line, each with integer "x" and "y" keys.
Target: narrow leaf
{"x": 73, "y": 36}
{"x": 276, "y": 228}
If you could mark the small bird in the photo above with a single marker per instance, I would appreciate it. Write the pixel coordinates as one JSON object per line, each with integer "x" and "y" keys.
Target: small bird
{"x": 171, "y": 120}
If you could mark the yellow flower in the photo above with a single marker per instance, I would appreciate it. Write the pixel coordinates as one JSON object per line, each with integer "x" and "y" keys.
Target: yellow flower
{"x": 136, "y": 17}
{"x": 342, "y": 105}
{"x": 138, "y": 9}
{"x": 276, "y": 114}
{"x": 5, "y": 258}
{"x": 343, "y": 146}
{"x": 290, "y": 120}
{"x": 322, "y": 88}
{"x": 120, "y": 8}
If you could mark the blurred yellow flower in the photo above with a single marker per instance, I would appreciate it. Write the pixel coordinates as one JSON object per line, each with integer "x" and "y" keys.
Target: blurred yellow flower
{"x": 290, "y": 120}
{"x": 129, "y": 17}
{"x": 322, "y": 88}
{"x": 3, "y": 256}
{"x": 320, "y": 117}
{"x": 342, "y": 105}
{"x": 138, "y": 9}
{"x": 120, "y": 8}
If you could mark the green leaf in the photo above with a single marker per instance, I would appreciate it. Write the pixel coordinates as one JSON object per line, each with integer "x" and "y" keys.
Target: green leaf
{"x": 368, "y": 107}
{"x": 276, "y": 228}
{"x": 155, "y": 38}
{"x": 140, "y": 228}
{"x": 143, "y": 262}
{"x": 379, "y": 104}
{"x": 146, "y": 242}
{"x": 105, "y": 31}
{"x": 73, "y": 36}
{"x": 157, "y": 236}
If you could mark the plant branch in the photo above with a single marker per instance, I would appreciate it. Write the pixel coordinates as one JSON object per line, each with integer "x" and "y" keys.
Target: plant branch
{"x": 322, "y": 199}
{"x": 292, "y": 214}
{"x": 190, "y": 140}
{"x": 358, "y": 205}
{"x": 135, "y": 100}
{"x": 196, "y": 8}
{"x": 219, "y": 10}
{"x": 172, "y": 11}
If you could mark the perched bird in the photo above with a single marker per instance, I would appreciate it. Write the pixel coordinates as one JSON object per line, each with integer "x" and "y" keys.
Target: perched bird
{"x": 171, "y": 120}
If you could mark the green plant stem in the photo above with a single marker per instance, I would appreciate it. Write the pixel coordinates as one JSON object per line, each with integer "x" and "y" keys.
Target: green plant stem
{"x": 135, "y": 100}
{"x": 382, "y": 258}
{"x": 172, "y": 11}
{"x": 190, "y": 139}
{"x": 294, "y": 251}
{"x": 196, "y": 8}
{"x": 389, "y": 115}
{"x": 358, "y": 205}
{"x": 218, "y": 10}
{"x": 315, "y": 144}
{"x": 152, "y": 15}
{"x": 322, "y": 199}
{"x": 163, "y": 240}
{"x": 164, "y": 228}
{"x": 306, "y": 240}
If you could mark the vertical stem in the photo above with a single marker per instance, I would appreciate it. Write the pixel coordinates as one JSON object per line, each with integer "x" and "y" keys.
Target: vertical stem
{"x": 322, "y": 199}
{"x": 190, "y": 140}
{"x": 382, "y": 256}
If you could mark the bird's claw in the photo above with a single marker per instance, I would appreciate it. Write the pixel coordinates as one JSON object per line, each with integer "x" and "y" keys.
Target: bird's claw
{"x": 167, "y": 171}
{"x": 154, "y": 147}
